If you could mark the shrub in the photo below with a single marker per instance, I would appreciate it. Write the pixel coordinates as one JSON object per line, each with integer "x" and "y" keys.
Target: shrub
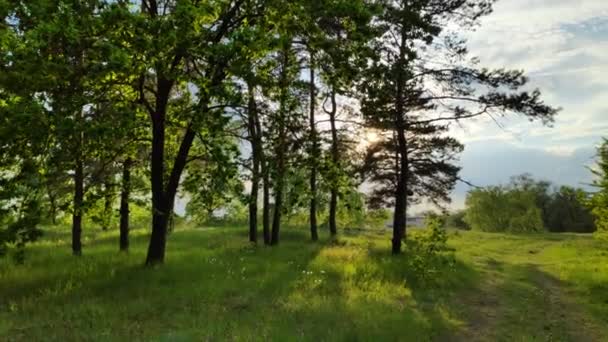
{"x": 428, "y": 255}
{"x": 456, "y": 220}
{"x": 499, "y": 209}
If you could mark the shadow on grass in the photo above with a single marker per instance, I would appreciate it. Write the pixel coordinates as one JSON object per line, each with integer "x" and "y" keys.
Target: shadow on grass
{"x": 213, "y": 284}
{"x": 216, "y": 286}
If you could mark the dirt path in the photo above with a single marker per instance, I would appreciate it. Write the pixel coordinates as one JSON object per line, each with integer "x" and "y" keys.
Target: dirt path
{"x": 564, "y": 316}
{"x": 521, "y": 302}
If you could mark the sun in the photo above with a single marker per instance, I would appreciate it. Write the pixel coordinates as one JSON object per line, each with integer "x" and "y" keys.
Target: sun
{"x": 371, "y": 136}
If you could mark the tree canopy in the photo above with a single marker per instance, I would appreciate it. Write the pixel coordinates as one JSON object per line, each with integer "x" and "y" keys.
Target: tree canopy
{"x": 216, "y": 101}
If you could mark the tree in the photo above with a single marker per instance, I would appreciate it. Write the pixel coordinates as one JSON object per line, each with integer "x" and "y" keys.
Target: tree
{"x": 182, "y": 51}
{"x": 567, "y": 212}
{"x": 499, "y": 209}
{"x": 345, "y": 30}
{"x": 285, "y": 118}
{"x": 59, "y": 48}
{"x": 599, "y": 199}
{"x": 402, "y": 93}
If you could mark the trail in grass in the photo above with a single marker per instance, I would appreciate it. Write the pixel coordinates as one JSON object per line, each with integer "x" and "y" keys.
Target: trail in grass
{"x": 516, "y": 299}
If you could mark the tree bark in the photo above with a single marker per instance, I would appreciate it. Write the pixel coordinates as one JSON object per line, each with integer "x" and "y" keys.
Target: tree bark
{"x": 53, "y": 208}
{"x": 166, "y": 201}
{"x": 266, "y": 182}
{"x": 77, "y": 212}
{"x": 333, "y": 202}
{"x": 124, "y": 205}
{"x": 313, "y": 154}
{"x": 266, "y": 202}
{"x": 156, "y": 247}
{"x": 400, "y": 214}
{"x": 280, "y": 151}
{"x": 255, "y": 157}
{"x": 107, "y": 207}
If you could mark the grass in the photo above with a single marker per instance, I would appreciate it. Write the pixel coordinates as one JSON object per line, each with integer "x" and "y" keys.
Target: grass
{"x": 215, "y": 286}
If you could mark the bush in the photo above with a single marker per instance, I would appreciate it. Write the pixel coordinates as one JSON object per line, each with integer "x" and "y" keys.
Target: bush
{"x": 428, "y": 255}
{"x": 499, "y": 209}
{"x": 456, "y": 220}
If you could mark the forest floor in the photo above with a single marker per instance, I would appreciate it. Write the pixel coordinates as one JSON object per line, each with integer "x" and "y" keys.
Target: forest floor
{"x": 215, "y": 286}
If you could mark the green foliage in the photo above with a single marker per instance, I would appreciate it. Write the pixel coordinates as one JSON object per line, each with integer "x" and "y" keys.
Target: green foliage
{"x": 232, "y": 213}
{"x": 528, "y": 205}
{"x": 428, "y": 256}
{"x": 599, "y": 200}
{"x": 87, "y": 85}
{"x": 567, "y": 211}
{"x": 498, "y": 209}
{"x": 377, "y": 218}
{"x": 456, "y": 220}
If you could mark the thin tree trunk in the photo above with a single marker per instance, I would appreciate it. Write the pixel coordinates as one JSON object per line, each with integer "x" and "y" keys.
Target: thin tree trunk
{"x": 333, "y": 202}
{"x": 266, "y": 182}
{"x": 276, "y": 219}
{"x": 255, "y": 177}
{"x": 53, "y": 208}
{"x": 107, "y": 207}
{"x": 280, "y": 151}
{"x": 400, "y": 214}
{"x": 313, "y": 154}
{"x": 253, "y": 213}
{"x": 77, "y": 212}
{"x": 266, "y": 202}
{"x": 124, "y": 205}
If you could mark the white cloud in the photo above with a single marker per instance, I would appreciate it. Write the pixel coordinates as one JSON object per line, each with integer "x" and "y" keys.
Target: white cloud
{"x": 562, "y": 45}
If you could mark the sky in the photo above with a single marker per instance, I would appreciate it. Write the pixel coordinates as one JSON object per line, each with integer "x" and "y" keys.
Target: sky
{"x": 563, "y": 47}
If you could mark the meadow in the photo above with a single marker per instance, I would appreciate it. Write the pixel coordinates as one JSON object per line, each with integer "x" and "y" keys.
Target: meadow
{"x": 215, "y": 286}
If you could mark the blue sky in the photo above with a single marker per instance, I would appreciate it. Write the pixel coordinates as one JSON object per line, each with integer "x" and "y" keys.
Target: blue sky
{"x": 563, "y": 47}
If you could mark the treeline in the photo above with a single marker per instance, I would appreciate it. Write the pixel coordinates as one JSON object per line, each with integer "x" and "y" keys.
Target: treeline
{"x": 103, "y": 103}
{"x": 526, "y": 205}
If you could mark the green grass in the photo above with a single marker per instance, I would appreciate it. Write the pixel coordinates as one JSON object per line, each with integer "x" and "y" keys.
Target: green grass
{"x": 215, "y": 286}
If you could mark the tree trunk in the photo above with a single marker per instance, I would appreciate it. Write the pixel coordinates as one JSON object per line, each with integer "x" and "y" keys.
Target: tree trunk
{"x": 255, "y": 157}
{"x": 253, "y": 213}
{"x": 266, "y": 202}
{"x": 77, "y": 212}
{"x": 280, "y": 151}
{"x": 278, "y": 188}
{"x": 107, "y": 207}
{"x": 156, "y": 247}
{"x": 400, "y": 214}
{"x": 276, "y": 219}
{"x": 53, "y": 208}
{"x": 266, "y": 181}
{"x": 333, "y": 202}
{"x": 124, "y": 205}
{"x": 313, "y": 154}
{"x": 163, "y": 205}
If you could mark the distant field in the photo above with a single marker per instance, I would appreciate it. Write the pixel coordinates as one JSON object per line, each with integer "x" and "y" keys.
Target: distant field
{"x": 215, "y": 286}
